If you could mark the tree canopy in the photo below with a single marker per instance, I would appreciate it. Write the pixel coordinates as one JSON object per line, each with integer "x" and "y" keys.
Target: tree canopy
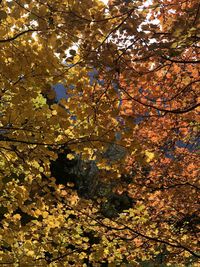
{"x": 107, "y": 175}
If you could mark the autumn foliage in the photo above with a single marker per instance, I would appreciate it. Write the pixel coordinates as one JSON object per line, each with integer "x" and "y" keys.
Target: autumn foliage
{"x": 109, "y": 174}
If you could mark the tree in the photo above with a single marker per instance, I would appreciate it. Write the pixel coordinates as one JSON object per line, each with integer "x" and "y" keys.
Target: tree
{"x": 109, "y": 175}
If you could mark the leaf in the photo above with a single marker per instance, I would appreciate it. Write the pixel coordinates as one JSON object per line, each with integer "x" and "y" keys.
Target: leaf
{"x": 39, "y": 101}
{"x": 105, "y": 174}
{"x": 174, "y": 45}
{"x": 70, "y": 156}
{"x": 150, "y": 155}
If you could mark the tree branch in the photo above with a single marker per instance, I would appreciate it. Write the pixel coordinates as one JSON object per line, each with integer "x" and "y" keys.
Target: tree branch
{"x": 16, "y": 36}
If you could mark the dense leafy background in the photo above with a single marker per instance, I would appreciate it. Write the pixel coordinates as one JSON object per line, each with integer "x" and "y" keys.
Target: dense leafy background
{"x": 104, "y": 173}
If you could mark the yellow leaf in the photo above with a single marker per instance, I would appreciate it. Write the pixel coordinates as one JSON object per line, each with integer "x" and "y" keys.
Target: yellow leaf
{"x": 174, "y": 45}
{"x": 30, "y": 253}
{"x": 54, "y": 112}
{"x": 41, "y": 169}
{"x": 149, "y": 155}
{"x": 45, "y": 214}
{"x": 17, "y": 217}
{"x": 70, "y": 156}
